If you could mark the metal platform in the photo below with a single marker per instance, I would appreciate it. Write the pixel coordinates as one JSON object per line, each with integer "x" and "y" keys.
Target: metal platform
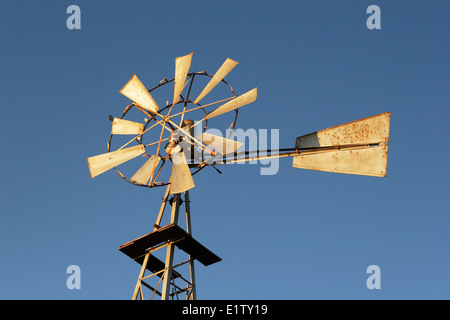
{"x": 137, "y": 248}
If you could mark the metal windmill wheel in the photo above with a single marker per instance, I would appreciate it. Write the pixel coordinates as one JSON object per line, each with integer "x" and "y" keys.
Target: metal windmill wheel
{"x": 358, "y": 147}
{"x": 174, "y": 132}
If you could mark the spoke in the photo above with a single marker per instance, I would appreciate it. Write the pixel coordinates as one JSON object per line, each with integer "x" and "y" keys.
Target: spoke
{"x": 186, "y": 101}
{"x": 153, "y": 143}
{"x": 159, "y": 147}
{"x": 171, "y": 107}
{"x": 139, "y": 135}
{"x": 146, "y": 130}
{"x": 159, "y": 170}
{"x": 202, "y": 146}
{"x": 204, "y": 106}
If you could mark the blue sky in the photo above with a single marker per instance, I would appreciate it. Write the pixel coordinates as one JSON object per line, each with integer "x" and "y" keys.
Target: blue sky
{"x": 298, "y": 234}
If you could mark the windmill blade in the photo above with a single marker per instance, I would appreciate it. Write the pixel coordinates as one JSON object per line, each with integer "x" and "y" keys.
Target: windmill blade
{"x": 121, "y": 126}
{"x": 369, "y": 161}
{"x": 145, "y": 173}
{"x": 137, "y": 92}
{"x": 182, "y": 65}
{"x": 240, "y": 101}
{"x": 104, "y": 162}
{"x": 181, "y": 177}
{"x": 371, "y": 130}
{"x": 226, "y": 67}
{"x": 219, "y": 144}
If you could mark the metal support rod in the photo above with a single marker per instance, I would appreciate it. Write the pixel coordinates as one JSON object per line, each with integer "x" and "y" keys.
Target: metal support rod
{"x": 175, "y": 208}
{"x": 141, "y": 275}
{"x": 153, "y": 274}
{"x": 193, "y": 294}
{"x": 170, "y": 250}
{"x": 155, "y": 290}
{"x": 168, "y": 272}
{"x": 186, "y": 102}
{"x": 282, "y": 153}
{"x": 161, "y": 210}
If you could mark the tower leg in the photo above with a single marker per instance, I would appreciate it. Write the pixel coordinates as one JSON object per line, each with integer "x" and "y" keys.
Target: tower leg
{"x": 192, "y": 295}
{"x": 170, "y": 249}
{"x": 168, "y": 272}
{"x": 163, "y": 207}
{"x": 138, "y": 288}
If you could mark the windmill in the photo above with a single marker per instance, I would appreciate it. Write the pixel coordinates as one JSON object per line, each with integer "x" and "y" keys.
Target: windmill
{"x": 173, "y": 154}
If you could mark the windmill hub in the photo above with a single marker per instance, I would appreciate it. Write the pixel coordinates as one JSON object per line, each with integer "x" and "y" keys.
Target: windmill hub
{"x": 188, "y": 123}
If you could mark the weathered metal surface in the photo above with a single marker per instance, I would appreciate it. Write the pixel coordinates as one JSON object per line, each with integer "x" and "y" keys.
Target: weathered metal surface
{"x": 103, "y": 162}
{"x": 181, "y": 177}
{"x": 137, "y": 92}
{"x": 370, "y": 161}
{"x": 122, "y": 126}
{"x": 240, "y": 101}
{"x": 371, "y": 130}
{"x": 226, "y": 67}
{"x": 144, "y": 174}
{"x": 182, "y": 65}
{"x": 219, "y": 144}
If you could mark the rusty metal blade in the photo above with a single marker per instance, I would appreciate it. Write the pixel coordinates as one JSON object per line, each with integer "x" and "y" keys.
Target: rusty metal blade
{"x": 144, "y": 174}
{"x": 226, "y": 67}
{"x": 104, "y": 162}
{"x": 121, "y": 126}
{"x": 181, "y": 177}
{"x": 240, "y": 101}
{"x": 182, "y": 65}
{"x": 370, "y": 161}
{"x": 369, "y": 130}
{"x": 137, "y": 92}
{"x": 219, "y": 144}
